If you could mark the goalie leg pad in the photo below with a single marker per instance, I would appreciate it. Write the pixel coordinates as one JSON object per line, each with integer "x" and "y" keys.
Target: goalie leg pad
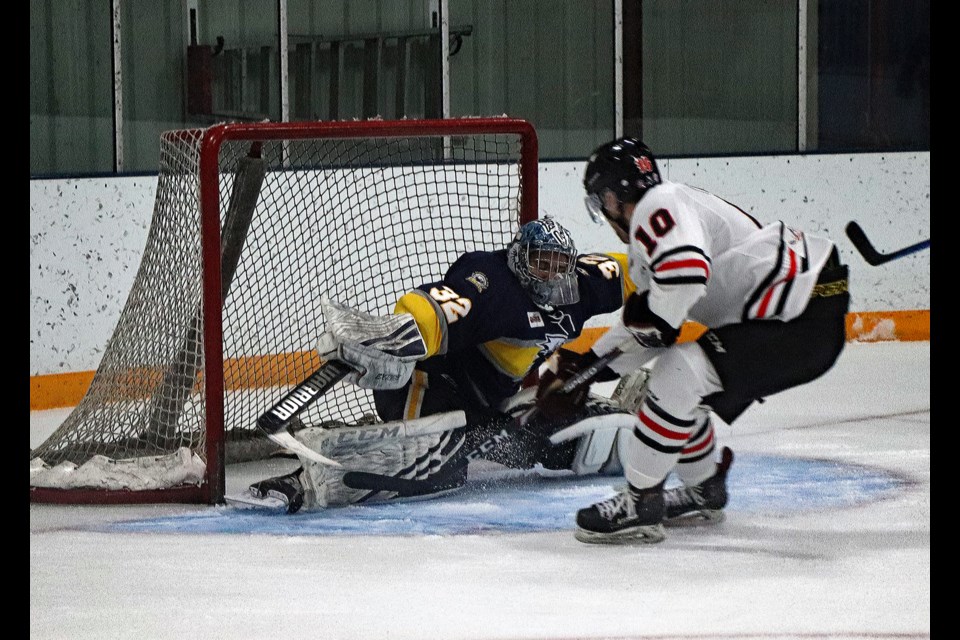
{"x": 595, "y": 428}
{"x": 598, "y": 414}
{"x": 414, "y": 450}
{"x": 593, "y": 451}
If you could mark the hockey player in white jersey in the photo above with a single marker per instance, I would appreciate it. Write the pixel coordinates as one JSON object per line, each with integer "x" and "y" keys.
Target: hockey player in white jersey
{"x": 774, "y": 300}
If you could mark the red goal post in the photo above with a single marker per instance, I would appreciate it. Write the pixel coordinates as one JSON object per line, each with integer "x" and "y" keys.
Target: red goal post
{"x": 253, "y": 224}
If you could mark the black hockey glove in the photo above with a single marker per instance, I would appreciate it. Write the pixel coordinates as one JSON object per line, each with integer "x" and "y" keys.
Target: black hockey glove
{"x": 555, "y": 404}
{"x": 648, "y": 328}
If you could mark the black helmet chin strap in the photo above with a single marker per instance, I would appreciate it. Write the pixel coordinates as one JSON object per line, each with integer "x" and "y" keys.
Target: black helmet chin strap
{"x": 619, "y": 221}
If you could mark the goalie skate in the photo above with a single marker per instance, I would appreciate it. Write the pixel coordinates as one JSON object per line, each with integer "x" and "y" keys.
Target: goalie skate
{"x": 288, "y": 489}
{"x": 249, "y": 501}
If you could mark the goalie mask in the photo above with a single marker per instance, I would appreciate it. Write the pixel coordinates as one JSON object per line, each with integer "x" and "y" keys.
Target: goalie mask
{"x": 626, "y": 168}
{"x": 543, "y": 258}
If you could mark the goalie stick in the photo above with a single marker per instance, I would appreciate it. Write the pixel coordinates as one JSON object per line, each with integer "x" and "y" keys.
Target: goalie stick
{"x": 275, "y": 420}
{"x": 396, "y": 336}
{"x": 278, "y": 417}
{"x": 870, "y": 254}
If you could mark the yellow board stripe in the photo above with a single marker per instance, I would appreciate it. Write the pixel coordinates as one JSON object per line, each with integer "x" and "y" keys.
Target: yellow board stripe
{"x": 60, "y": 390}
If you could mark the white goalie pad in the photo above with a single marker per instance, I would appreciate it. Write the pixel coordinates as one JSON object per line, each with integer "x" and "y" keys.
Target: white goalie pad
{"x": 598, "y": 451}
{"x": 599, "y": 414}
{"x": 382, "y": 350}
{"x": 403, "y": 449}
{"x": 594, "y": 452}
{"x": 599, "y": 431}
{"x": 520, "y": 402}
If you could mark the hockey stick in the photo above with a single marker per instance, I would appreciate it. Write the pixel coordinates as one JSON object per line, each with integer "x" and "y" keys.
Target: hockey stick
{"x": 870, "y": 254}
{"x": 278, "y": 417}
{"x": 275, "y": 420}
{"x": 582, "y": 378}
{"x": 588, "y": 375}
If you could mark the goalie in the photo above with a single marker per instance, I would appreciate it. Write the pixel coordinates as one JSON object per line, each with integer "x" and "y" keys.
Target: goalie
{"x": 495, "y": 317}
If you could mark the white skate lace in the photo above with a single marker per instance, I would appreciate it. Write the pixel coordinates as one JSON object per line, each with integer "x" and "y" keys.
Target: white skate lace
{"x": 610, "y": 507}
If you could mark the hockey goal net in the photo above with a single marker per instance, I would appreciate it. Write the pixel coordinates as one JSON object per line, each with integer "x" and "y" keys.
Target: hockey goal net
{"x": 253, "y": 225}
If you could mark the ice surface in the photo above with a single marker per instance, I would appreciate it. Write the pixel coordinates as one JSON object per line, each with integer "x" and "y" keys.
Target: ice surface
{"x": 827, "y": 536}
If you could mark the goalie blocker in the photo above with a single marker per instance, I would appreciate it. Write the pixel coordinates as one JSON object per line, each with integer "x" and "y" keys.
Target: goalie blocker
{"x": 374, "y": 352}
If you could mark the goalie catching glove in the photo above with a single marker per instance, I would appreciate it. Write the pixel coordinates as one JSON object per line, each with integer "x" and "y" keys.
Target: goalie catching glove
{"x": 382, "y": 350}
{"x": 552, "y": 401}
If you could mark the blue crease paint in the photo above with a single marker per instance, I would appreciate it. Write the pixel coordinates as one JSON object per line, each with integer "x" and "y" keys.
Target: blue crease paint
{"x": 758, "y": 485}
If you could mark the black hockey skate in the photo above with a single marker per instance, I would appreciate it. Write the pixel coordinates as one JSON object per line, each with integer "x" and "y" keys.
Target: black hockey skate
{"x": 287, "y": 488}
{"x": 631, "y": 516}
{"x": 702, "y": 503}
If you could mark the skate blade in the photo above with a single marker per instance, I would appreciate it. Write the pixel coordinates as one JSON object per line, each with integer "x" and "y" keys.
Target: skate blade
{"x": 649, "y": 534}
{"x": 702, "y": 518}
{"x": 247, "y": 500}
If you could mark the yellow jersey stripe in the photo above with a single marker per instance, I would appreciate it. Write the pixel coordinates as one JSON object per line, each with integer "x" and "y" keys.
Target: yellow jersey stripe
{"x": 430, "y": 320}
{"x": 513, "y": 360}
{"x": 628, "y": 285}
{"x": 418, "y": 385}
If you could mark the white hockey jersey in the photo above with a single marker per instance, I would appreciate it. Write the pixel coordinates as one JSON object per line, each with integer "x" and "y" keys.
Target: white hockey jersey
{"x": 706, "y": 260}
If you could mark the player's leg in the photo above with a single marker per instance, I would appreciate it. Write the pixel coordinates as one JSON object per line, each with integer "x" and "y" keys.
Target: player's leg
{"x": 669, "y": 413}
{"x": 752, "y": 360}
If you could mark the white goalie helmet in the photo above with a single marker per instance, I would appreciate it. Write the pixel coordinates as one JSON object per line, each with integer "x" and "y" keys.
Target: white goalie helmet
{"x": 543, "y": 257}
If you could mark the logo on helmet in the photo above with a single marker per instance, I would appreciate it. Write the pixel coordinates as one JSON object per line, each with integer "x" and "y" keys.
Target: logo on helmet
{"x": 643, "y": 164}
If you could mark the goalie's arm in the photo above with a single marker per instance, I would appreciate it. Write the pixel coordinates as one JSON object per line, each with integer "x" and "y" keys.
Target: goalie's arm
{"x": 430, "y": 320}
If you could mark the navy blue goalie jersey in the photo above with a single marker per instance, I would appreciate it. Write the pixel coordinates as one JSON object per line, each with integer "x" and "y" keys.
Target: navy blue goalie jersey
{"x": 483, "y": 330}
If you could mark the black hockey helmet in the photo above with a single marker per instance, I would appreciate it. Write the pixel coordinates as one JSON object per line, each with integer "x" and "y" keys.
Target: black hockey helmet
{"x": 624, "y": 166}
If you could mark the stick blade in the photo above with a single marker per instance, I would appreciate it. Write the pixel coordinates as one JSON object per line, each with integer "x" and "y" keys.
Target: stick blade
{"x": 871, "y": 255}
{"x": 862, "y": 244}
{"x": 287, "y": 441}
